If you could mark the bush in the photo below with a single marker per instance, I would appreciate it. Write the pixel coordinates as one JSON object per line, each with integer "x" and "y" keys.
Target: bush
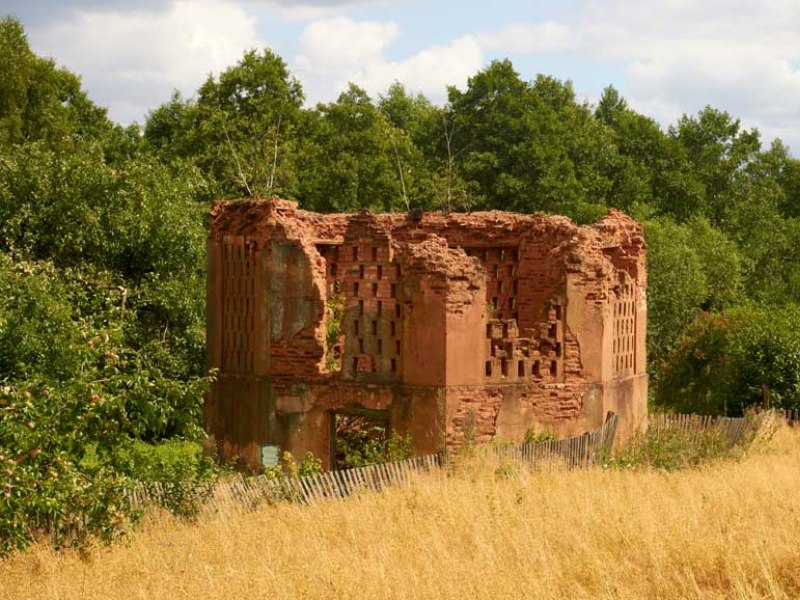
{"x": 74, "y": 395}
{"x": 177, "y": 468}
{"x": 310, "y": 465}
{"x": 364, "y": 447}
{"x": 726, "y": 363}
{"x": 45, "y": 488}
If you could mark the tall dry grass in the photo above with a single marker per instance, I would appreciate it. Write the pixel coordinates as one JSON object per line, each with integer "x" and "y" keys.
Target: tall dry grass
{"x": 728, "y": 530}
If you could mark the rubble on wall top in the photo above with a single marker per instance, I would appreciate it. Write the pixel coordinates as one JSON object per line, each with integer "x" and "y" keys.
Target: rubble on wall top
{"x": 432, "y": 254}
{"x": 615, "y": 239}
{"x": 257, "y": 217}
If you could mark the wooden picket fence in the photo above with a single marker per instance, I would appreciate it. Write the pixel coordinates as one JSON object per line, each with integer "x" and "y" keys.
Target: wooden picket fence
{"x": 249, "y": 492}
{"x": 238, "y": 492}
{"x": 732, "y": 430}
{"x": 573, "y": 452}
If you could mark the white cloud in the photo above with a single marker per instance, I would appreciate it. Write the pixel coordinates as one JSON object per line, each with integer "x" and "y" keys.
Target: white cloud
{"x": 341, "y": 44}
{"x": 680, "y": 55}
{"x": 429, "y": 71}
{"x": 336, "y": 51}
{"x": 529, "y": 38}
{"x": 308, "y": 10}
{"x": 133, "y": 60}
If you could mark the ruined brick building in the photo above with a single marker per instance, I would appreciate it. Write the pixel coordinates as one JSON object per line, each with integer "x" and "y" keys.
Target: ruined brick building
{"x": 449, "y": 326}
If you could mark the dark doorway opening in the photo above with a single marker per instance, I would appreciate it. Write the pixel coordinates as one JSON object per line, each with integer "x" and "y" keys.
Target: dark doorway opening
{"x": 358, "y": 437}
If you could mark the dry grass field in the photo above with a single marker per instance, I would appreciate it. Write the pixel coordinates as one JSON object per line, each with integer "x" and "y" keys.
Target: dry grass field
{"x": 727, "y": 530}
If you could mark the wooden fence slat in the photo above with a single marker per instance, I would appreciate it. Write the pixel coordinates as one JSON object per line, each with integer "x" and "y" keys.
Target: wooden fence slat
{"x": 332, "y": 485}
{"x": 399, "y": 474}
{"x": 329, "y": 485}
{"x": 305, "y": 486}
{"x": 387, "y": 478}
{"x": 353, "y": 480}
{"x": 344, "y": 492}
{"x": 369, "y": 478}
{"x": 318, "y": 486}
{"x": 336, "y": 483}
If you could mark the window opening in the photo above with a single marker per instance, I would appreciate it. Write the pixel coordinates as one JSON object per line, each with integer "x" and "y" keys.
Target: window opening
{"x": 359, "y": 437}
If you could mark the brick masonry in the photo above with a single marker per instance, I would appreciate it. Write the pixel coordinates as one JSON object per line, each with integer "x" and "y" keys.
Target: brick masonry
{"x": 459, "y": 326}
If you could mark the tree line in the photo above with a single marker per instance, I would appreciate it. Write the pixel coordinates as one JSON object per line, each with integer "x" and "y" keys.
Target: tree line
{"x": 102, "y": 241}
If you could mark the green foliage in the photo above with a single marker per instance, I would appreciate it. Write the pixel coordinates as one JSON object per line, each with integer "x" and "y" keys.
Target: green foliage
{"x": 169, "y": 460}
{"x": 676, "y": 281}
{"x": 310, "y": 465}
{"x": 39, "y": 102}
{"x": 68, "y": 448}
{"x": 75, "y": 395}
{"x": 135, "y": 219}
{"x": 63, "y": 328}
{"x": 361, "y": 448}
{"x": 528, "y": 146}
{"x": 43, "y": 436}
{"x": 725, "y": 363}
{"x": 691, "y": 267}
{"x": 334, "y": 314}
{"x": 718, "y": 150}
{"x": 184, "y": 476}
{"x": 356, "y": 158}
{"x": 239, "y": 131}
{"x": 535, "y": 436}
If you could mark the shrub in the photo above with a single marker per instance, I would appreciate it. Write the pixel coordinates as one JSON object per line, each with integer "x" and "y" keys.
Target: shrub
{"x": 361, "y": 449}
{"x": 45, "y": 488}
{"x": 726, "y": 363}
{"x": 176, "y": 468}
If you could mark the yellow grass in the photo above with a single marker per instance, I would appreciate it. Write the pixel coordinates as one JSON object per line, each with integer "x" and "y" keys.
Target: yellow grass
{"x": 731, "y": 530}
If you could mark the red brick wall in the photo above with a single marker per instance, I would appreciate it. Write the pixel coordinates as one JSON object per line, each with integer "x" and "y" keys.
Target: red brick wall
{"x": 484, "y": 323}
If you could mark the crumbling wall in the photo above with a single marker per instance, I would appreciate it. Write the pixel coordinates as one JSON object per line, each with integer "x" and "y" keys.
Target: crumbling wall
{"x": 373, "y": 316}
{"x": 462, "y": 326}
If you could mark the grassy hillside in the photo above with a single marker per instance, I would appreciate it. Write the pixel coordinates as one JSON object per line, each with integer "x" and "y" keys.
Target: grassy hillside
{"x": 726, "y": 530}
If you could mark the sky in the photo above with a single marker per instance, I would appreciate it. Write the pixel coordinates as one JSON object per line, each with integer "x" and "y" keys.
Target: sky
{"x": 666, "y": 57}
